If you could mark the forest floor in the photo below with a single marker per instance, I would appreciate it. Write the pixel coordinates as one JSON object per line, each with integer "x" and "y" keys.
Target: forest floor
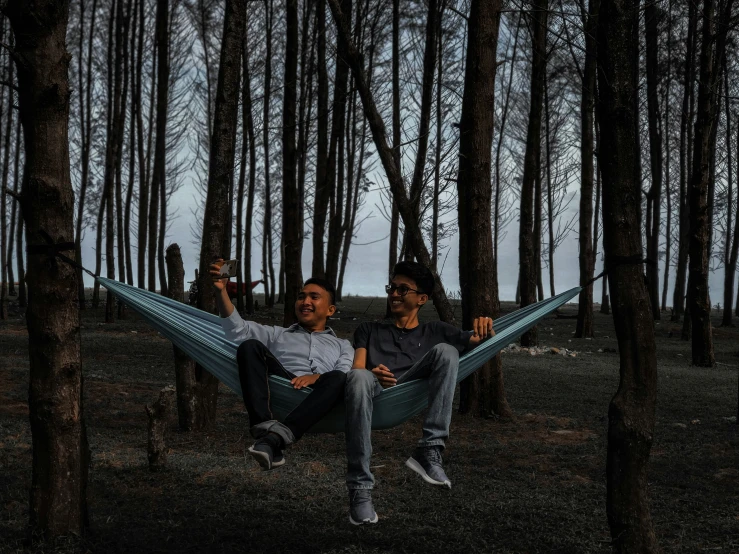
{"x": 535, "y": 483}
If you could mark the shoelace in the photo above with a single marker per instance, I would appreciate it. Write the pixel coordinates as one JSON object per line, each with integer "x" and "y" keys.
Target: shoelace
{"x": 433, "y": 456}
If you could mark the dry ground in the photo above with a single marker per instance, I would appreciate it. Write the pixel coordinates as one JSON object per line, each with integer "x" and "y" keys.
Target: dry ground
{"x": 533, "y": 484}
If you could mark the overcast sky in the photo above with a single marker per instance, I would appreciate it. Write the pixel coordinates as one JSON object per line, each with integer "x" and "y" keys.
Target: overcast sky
{"x": 367, "y": 266}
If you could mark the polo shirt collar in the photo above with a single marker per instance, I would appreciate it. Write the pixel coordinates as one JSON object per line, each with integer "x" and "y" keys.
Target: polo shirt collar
{"x": 297, "y": 327}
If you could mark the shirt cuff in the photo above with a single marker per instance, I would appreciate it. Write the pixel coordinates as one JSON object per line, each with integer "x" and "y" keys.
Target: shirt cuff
{"x": 233, "y": 321}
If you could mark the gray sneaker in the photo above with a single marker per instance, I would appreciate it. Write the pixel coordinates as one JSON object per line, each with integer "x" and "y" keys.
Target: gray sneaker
{"x": 361, "y": 510}
{"x": 426, "y": 461}
{"x": 267, "y": 451}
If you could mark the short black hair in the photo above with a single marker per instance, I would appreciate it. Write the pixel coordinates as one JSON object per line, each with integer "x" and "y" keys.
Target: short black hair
{"x": 324, "y": 284}
{"x": 418, "y": 272}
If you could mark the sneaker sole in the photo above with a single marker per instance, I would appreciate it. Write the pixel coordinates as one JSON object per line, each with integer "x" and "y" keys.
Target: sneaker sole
{"x": 262, "y": 459}
{"x": 366, "y": 521}
{"x": 415, "y": 466}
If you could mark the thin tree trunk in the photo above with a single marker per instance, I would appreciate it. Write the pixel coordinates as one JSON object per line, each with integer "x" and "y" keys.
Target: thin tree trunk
{"x": 248, "y": 124}
{"x": 268, "y": 268}
{"x": 550, "y": 200}
{"x": 291, "y": 232}
{"x": 584, "y": 326}
{"x": 678, "y": 301}
{"x": 220, "y": 175}
{"x": 483, "y": 392}
{"x": 4, "y": 197}
{"x": 320, "y": 204}
{"x": 731, "y": 248}
{"x": 58, "y": 492}
{"x": 159, "y": 175}
{"x": 13, "y": 221}
{"x": 377, "y": 126}
{"x": 631, "y": 412}
{"x": 143, "y": 212}
{"x": 526, "y": 238}
{"x": 667, "y": 169}
{"x": 135, "y": 108}
{"x": 654, "y": 196}
{"x": 711, "y": 52}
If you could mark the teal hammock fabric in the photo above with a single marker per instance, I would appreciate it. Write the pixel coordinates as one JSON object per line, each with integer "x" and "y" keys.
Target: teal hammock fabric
{"x": 200, "y": 336}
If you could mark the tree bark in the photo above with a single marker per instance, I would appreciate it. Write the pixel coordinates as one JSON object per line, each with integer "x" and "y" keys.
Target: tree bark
{"x": 320, "y": 204}
{"x": 678, "y": 300}
{"x": 526, "y": 239}
{"x": 731, "y": 244}
{"x": 220, "y": 175}
{"x": 654, "y": 195}
{"x": 184, "y": 367}
{"x": 291, "y": 231}
{"x": 377, "y": 126}
{"x": 143, "y": 212}
{"x": 159, "y": 414}
{"x": 248, "y": 124}
{"x": 713, "y": 45}
{"x": 482, "y": 393}
{"x": 4, "y": 274}
{"x": 584, "y": 326}
{"x": 267, "y": 266}
{"x": 631, "y": 412}
{"x": 159, "y": 174}
{"x": 58, "y": 494}
{"x": 668, "y": 169}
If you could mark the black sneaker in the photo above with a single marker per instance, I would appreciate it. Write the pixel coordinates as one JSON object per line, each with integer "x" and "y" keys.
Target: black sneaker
{"x": 426, "y": 461}
{"x": 267, "y": 451}
{"x": 361, "y": 510}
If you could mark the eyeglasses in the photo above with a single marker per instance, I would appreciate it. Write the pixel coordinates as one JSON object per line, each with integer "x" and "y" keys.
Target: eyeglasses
{"x": 402, "y": 289}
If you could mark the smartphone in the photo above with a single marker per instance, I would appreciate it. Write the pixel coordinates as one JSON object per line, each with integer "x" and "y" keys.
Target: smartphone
{"x": 228, "y": 269}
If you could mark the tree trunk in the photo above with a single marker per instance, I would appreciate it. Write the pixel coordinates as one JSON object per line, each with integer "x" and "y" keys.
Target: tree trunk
{"x": 159, "y": 414}
{"x": 4, "y": 287}
{"x": 584, "y": 326}
{"x": 186, "y": 383}
{"x": 143, "y": 212}
{"x": 526, "y": 238}
{"x": 335, "y": 170}
{"x": 135, "y": 107}
{"x": 713, "y": 45}
{"x": 320, "y": 204}
{"x": 678, "y": 300}
{"x": 631, "y": 412}
{"x": 220, "y": 175}
{"x": 248, "y": 124}
{"x": 159, "y": 175}
{"x": 268, "y": 268}
{"x": 291, "y": 231}
{"x": 392, "y": 171}
{"x": 482, "y": 393}
{"x": 731, "y": 245}
{"x": 654, "y": 196}
{"x": 668, "y": 169}
{"x": 58, "y": 494}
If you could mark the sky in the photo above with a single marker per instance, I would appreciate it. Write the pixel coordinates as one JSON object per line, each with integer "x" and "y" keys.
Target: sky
{"x": 367, "y": 266}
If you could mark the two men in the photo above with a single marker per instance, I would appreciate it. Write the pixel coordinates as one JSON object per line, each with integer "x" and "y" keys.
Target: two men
{"x": 386, "y": 354}
{"x": 307, "y": 353}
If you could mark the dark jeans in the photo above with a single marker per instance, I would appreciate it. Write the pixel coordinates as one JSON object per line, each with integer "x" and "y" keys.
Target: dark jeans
{"x": 256, "y": 364}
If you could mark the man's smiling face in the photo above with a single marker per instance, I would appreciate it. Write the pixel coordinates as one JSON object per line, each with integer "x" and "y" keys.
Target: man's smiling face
{"x": 313, "y": 307}
{"x": 404, "y": 305}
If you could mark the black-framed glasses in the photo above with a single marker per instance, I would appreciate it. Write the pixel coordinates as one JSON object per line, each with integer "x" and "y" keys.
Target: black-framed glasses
{"x": 402, "y": 289}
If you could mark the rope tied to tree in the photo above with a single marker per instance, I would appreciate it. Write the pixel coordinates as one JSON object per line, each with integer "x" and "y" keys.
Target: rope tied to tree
{"x": 615, "y": 261}
{"x": 54, "y": 250}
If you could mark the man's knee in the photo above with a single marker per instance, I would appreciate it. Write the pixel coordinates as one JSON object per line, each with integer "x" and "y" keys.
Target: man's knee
{"x": 360, "y": 381}
{"x": 333, "y": 378}
{"x": 249, "y": 347}
{"x": 446, "y": 352}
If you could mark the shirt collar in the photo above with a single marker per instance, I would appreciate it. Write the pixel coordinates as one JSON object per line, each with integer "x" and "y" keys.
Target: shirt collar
{"x": 296, "y": 327}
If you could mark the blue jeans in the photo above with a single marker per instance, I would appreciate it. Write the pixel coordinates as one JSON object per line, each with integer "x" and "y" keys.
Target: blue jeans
{"x": 439, "y": 365}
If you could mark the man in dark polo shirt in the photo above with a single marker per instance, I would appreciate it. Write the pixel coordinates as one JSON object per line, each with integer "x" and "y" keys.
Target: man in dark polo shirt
{"x": 387, "y": 354}
{"x": 307, "y": 353}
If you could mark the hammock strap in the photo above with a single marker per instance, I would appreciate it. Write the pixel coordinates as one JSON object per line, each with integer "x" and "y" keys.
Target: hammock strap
{"x": 54, "y": 250}
{"x": 616, "y": 261}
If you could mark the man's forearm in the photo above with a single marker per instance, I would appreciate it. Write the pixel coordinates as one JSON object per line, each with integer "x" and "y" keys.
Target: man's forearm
{"x": 223, "y": 303}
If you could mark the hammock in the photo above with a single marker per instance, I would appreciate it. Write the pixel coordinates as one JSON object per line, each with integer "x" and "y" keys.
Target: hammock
{"x": 200, "y": 335}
